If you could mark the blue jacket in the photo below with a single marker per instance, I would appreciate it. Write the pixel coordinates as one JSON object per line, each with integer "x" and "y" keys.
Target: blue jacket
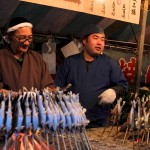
{"x": 103, "y": 73}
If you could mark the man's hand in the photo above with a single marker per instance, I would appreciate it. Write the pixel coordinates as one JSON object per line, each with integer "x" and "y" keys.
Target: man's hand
{"x": 7, "y": 92}
{"x": 107, "y": 97}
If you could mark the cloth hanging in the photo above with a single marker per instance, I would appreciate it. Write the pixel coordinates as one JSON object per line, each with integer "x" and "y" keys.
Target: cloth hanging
{"x": 49, "y": 56}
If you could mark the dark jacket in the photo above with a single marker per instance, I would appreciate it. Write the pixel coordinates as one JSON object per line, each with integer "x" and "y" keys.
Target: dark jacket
{"x": 103, "y": 73}
{"x": 33, "y": 73}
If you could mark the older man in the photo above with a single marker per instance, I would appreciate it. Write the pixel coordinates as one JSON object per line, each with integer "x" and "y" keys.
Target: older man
{"x": 96, "y": 77}
{"x": 19, "y": 66}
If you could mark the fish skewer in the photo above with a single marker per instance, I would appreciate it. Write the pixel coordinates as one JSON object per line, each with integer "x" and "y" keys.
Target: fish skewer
{"x": 42, "y": 114}
{"x": 132, "y": 119}
{"x": 19, "y": 120}
{"x": 86, "y": 138}
{"x": 139, "y": 120}
{"x": 79, "y": 120}
{"x": 49, "y": 115}
{"x": 2, "y": 112}
{"x": 8, "y": 124}
{"x": 35, "y": 119}
{"x": 146, "y": 115}
{"x": 56, "y": 118}
{"x": 62, "y": 127}
{"x": 42, "y": 111}
{"x": 19, "y": 116}
{"x": 57, "y": 114}
{"x": 67, "y": 117}
{"x": 27, "y": 119}
{"x": 77, "y": 116}
{"x": 73, "y": 115}
{"x": 119, "y": 113}
{"x": 54, "y": 125}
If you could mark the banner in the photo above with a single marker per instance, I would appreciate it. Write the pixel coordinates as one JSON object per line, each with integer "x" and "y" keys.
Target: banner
{"x": 124, "y": 10}
{"x": 127, "y": 62}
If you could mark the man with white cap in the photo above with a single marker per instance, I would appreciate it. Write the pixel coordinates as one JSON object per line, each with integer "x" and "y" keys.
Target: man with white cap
{"x": 19, "y": 66}
{"x": 96, "y": 77}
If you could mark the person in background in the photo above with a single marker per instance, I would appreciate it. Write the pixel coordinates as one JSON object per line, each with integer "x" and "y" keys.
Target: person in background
{"x": 96, "y": 77}
{"x": 19, "y": 66}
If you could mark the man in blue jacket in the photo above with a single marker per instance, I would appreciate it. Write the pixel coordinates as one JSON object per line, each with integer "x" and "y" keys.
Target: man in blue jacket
{"x": 96, "y": 77}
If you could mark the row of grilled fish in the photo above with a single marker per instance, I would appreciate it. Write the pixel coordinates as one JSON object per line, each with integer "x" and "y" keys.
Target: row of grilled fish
{"x": 140, "y": 113}
{"x": 36, "y": 111}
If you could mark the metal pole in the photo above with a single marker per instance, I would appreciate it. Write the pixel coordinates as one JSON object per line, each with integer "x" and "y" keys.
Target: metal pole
{"x": 144, "y": 10}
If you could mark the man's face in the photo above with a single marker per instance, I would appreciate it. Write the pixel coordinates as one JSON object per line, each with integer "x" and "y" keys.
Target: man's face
{"x": 21, "y": 39}
{"x": 94, "y": 44}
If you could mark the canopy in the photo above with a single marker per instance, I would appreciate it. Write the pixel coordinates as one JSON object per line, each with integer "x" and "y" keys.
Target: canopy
{"x": 66, "y": 23}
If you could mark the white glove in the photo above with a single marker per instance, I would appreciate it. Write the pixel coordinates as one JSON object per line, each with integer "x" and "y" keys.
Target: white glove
{"x": 107, "y": 96}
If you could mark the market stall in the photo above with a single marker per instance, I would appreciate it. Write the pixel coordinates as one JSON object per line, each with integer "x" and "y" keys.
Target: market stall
{"x": 51, "y": 37}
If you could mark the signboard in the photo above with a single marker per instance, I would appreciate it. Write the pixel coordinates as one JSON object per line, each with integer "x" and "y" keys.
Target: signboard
{"x": 124, "y": 10}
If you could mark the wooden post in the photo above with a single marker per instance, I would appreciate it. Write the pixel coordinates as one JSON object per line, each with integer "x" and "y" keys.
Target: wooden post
{"x": 144, "y": 11}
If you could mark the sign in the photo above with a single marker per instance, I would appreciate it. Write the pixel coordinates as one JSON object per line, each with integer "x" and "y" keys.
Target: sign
{"x": 127, "y": 62}
{"x": 124, "y": 10}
